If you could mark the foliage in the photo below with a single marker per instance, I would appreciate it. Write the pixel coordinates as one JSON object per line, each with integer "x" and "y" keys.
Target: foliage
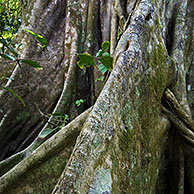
{"x": 61, "y": 120}
{"x": 79, "y": 102}
{"x": 104, "y": 60}
{"x": 13, "y": 56}
{"x": 33, "y": 64}
{"x": 104, "y": 63}
{"x": 10, "y": 21}
{"x": 39, "y": 38}
{"x": 13, "y": 93}
{"x": 85, "y": 59}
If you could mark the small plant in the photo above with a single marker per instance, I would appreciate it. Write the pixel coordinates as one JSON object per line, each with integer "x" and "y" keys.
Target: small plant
{"x": 104, "y": 63}
{"x": 60, "y": 121}
{"x": 60, "y": 115}
{"x": 79, "y": 102}
{"x": 104, "y": 60}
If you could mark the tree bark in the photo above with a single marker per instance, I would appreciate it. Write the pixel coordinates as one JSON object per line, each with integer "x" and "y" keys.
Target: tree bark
{"x": 126, "y": 143}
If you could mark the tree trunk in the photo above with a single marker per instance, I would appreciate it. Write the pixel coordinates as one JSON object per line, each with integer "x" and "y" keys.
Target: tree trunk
{"x": 138, "y": 136}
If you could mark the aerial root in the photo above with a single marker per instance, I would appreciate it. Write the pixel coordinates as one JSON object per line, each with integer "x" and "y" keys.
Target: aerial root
{"x": 177, "y": 108}
{"x": 180, "y": 119}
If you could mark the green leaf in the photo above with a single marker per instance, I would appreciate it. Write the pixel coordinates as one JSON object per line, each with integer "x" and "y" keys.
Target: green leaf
{"x": 13, "y": 93}
{"x": 105, "y": 45}
{"x": 33, "y": 64}
{"x": 19, "y": 45}
{"x": 107, "y": 62}
{"x": 8, "y": 78}
{"x": 102, "y": 69}
{"x": 38, "y": 37}
{"x": 80, "y": 64}
{"x": 2, "y": 40}
{"x": 12, "y": 50}
{"x": 106, "y": 54}
{"x": 9, "y": 57}
{"x": 9, "y": 47}
{"x": 99, "y": 53}
{"x": 79, "y": 102}
{"x": 85, "y": 59}
{"x": 40, "y": 45}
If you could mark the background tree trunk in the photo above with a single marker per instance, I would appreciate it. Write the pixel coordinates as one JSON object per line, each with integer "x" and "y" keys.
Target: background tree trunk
{"x": 125, "y": 143}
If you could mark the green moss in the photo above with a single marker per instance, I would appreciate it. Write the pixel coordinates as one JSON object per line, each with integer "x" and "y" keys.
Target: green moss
{"x": 43, "y": 177}
{"x": 125, "y": 141}
{"x": 137, "y": 154}
{"x": 158, "y": 22}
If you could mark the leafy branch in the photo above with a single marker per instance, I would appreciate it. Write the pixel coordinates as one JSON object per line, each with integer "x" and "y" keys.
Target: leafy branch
{"x": 104, "y": 60}
{"x": 13, "y": 57}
